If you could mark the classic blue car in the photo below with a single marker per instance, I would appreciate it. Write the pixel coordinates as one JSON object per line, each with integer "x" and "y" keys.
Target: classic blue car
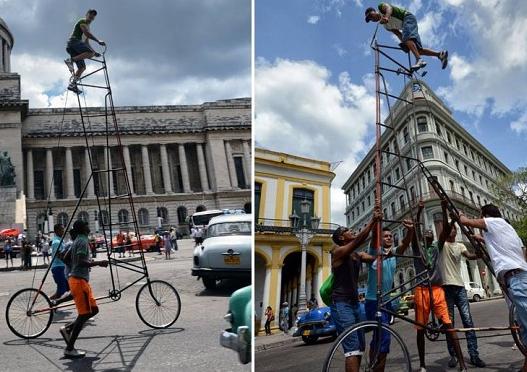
{"x": 319, "y": 323}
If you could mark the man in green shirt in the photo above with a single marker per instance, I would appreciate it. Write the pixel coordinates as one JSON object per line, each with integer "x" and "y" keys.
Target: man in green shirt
{"x": 79, "y": 49}
{"x": 404, "y": 25}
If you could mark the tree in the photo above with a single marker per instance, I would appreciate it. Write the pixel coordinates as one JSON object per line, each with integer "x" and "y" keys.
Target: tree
{"x": 512, "y": 189}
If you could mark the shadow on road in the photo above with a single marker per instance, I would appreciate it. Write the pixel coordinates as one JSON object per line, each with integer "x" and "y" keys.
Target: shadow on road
{"x": 224, "y": 288}
{"x": 119, "y": 353}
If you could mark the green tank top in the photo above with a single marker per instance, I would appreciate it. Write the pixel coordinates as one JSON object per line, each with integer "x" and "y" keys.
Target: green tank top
{"x": 397, "y": 12}
{"x": 76, "y": 34}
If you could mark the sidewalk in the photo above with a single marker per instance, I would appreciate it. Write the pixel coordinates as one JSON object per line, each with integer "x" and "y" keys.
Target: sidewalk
{"x": 277, "y": 339}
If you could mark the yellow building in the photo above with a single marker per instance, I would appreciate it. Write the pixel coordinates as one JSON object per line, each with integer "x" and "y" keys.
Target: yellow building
{"x": 282, "y": 182}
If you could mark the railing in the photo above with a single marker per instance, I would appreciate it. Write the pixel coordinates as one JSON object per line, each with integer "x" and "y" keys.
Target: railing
{"x": 269, "y": 225}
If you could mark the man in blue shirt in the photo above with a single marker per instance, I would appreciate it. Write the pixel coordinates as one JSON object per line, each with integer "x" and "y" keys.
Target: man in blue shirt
{"x": 388, "y": 271}
{"x": 57, "y": 266}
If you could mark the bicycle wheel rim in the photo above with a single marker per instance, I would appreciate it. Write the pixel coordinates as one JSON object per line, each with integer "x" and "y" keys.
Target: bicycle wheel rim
{"x": 165, "y": 311}
{"x": 397, "y": 360}
{"x": 516, "y": 333}
{"x": 21, "y": 317}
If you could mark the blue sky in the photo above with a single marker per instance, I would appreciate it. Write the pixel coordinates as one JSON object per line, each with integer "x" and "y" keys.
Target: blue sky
{"x": 315, "y": 55}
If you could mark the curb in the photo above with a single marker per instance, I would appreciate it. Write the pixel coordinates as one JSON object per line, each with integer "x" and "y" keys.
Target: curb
{"x": 272, "y": 345}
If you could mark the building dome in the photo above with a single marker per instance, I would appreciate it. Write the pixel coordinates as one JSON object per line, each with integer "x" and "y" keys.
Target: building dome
{"x": 6, "y": 44}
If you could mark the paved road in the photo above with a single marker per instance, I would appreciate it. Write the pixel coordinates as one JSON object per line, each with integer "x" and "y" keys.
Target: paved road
{"x": 497, "y": 352}
{"x": 117, "y": 340}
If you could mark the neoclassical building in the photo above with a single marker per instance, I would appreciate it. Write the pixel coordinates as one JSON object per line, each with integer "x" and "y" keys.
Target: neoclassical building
{"x": 282, "y": 181}
{"x": 462, "y": 165}
{"x": 178, "y": 158}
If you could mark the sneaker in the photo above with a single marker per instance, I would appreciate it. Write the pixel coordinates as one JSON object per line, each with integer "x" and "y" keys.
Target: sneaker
{"x": 443, "y": 57}
{"x": 419, "y": 64}
{"x": 74, "y": 353}
{"x": 477, "y": 362}
{"x": 65, "y": 334}
{"x": 452, "y": 362}
{"x": 69, "y": 63}
{"x": 73, "y": 88}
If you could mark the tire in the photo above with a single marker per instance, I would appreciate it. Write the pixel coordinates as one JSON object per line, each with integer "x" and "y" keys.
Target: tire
{"x": 310, "y": 340}
{"x": 516, "y": 332}
{"x": 476, "y": 298}
{"x": 209, "y": 283}
{"x": 33, "y": 302}
{"x": 161, "y": 311}
{"x": 398, "y": 360}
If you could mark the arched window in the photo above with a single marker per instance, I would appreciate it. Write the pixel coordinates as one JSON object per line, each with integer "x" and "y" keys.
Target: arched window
{"x": 123, "y": 216}
{"x": 163, "y": 213}
{"x": 422, "y": 125}
{"x": 303, "y": 194}
{"x": 181, "y": 214}
{"x": 62, "y": 218}
{"x": 201, "y": 208}
{"x": 104, "y": 218}
{"x": 143, "y": 216}
{"x": 83, "y": 216}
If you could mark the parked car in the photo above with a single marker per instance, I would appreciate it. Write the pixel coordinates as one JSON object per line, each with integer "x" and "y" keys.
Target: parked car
{"x": 226, "y": 250}
{"x": 238, "y": 336}
{"x": 474, "y": 291}
{"x": 318, "y": 323}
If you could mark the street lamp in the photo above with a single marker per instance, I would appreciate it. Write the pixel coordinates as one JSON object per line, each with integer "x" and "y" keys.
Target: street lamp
{"x": 304, "y": 228}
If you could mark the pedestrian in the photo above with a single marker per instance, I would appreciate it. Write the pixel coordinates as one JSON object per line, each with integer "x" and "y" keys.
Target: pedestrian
{"x": 93, "y": 246}
{"x": 45, "y": 250}
{"x": 454, "y": 287}
{"x": 505, "y": 250}
{"x": 168, "y": 245}
{"x": 285, "y": 318}
{"x": 79, "y": 49}
{"x": 8, "y": 252}
{"x": 173, "y": 238}
{"x": 78, "y": 281}
{"x": 57, "y": 265}
{"x": 389, "y": 265}
{"x": 129, "y": 245}
{"x": 344, "y": 306}
{"x": 269, "y": 317}
{"x": 404, "y": 25}
{"x": 120, "y": 243}
{"x": 26, "y": 250}
{"x": 429, "y": 294}
{"x": 157, "y": 240}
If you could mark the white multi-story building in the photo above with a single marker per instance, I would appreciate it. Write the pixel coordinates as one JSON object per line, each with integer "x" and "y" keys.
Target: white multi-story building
{"x": 463, "y": 166}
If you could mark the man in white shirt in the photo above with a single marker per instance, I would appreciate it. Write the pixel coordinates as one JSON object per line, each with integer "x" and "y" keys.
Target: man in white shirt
{"x": 505, "y": 250}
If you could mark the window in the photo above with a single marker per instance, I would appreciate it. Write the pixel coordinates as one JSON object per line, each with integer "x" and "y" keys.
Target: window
{"x": 362, "y": 205}
{"x": 446, "y": 157}
{"x": 479, "y": 200}
{"x": 104, "y": 218}
{"x": 401, "y": 202}
{"x": 62, "y": 218}
{"x": 452, "y": 188}
{"x": 408, "y": 164}
{"x": 38, "y": 178}
{"x": 484, "y": 201}
{"x": 363, "y": 184}
{"x": 181, "y": 215}
{"x": 392, "y": 206}
{"x": 406, "y": 136}
{"x": 352, "y": 215}
{"x": 123, "y": 216}
{"x": 386, "y": 152}
{"x": 369, "y": 176}
{"x": 143, "y": 216}
{"x": 466, "y": 170}
{"x": 77, "y": 182}
{"x": 448, "y": 137}
{"x": 58, "y": 186}
{"x": 472, "y": 154}
{"x": 427, "y": 151}
{"x": 258, "y": 198}
{"x": 240, "y": 174}
{"x": 462, "y": 191}
{"x": 457, "y": 164}
{"x": 300, "y": 195}
{"x": 369, "y": 201}
{"x": 384, "y": 212}
{"x": 465, "y": 149}
{"x": 474, "y": 175}
{"x": 397, "y": 174}
{"x": 471, "y": 195}
{"x": 438, "y": 128}
{"x": 457, "y": 143}
{"x": 84, "y": 216}
{"x": 487, "y": 183}
{"x": 163, "y": 213}
{"x": 412, "y": 193}
{"x": 389, "y": 180}
{"x": 422, "y": 125}
{"x": 480, "y": 180}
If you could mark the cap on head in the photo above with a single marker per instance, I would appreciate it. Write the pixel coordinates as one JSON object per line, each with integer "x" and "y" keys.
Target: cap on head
{"x": 367, "y": 14}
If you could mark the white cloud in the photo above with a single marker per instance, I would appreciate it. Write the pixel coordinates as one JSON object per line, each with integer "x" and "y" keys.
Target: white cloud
{"x": 520, "y": 125}
{"x": 295, "y": 99}
{"x": 313, "y": 19}
{"x": 431, "y": 30}
{"x": 340, "y": 50}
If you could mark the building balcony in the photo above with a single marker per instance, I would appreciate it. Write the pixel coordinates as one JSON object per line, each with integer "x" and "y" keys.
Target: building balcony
{"x": 268, "y": 225}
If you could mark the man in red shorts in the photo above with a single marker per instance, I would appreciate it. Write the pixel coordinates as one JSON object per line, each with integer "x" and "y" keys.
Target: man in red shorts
{"x": 80, "y": 288}
{"x": 423, "y": 305}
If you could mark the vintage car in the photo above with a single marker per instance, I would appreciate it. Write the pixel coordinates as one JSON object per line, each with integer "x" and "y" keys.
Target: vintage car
{"x": 317, "y": 323}
{"x": 238, "y": 336}
{"x": 226, "y": 250}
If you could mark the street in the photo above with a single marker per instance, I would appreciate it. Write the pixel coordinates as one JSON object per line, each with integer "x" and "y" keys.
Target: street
{"x": 117, "y": 340}
{"x": 497, "y": 352}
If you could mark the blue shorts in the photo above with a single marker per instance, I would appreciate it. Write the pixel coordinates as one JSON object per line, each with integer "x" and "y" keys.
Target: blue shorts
{"x": 410, "y": 31}
{"x": 517, "y": 285}
{"x": 346, "y": 314}
{"x": 59, "y": 276}
{"x": 76, "y": 47}
{"x": 371, "y": 308}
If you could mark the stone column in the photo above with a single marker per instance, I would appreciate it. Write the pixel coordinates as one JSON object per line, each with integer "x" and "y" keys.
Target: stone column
{"x": 108, "y": 166}
{"x": 128, "y": 165}
{"x": 146, "y": 170}
{"x": 166, "y": 169}
{"x": 70, "y": 188}
{"x": 49, "y": 187}
{"x": 247, "y": 162}
{"x": 230, "y": 163}
{"x": 30, "y": 179}
{"x": 90, "y": 190}
{"x": 202, "y": 168}
{"x": 184, "y": 168}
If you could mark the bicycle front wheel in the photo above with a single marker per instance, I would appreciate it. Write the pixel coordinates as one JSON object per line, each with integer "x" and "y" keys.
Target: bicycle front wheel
{"x": 28, "y": 313}
{"x": 517, "y": 330}
{"x": 365, "y": 334}
{"x": 158, "y": 304}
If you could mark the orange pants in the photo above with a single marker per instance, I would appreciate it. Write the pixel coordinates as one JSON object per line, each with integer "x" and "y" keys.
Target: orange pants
{"x": 422, "y": 305}
{"x": 82, "y": 295}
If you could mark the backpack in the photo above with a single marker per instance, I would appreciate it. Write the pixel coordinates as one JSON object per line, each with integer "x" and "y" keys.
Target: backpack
{"x": 326, "y": 289}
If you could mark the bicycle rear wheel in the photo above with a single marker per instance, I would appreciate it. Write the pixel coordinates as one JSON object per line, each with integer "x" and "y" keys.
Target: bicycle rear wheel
{"x": 158, "y": 304}
{"x": 28, "y": 313}
{"x": 398, "y": 359}
{"x": 517, "y": 330}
